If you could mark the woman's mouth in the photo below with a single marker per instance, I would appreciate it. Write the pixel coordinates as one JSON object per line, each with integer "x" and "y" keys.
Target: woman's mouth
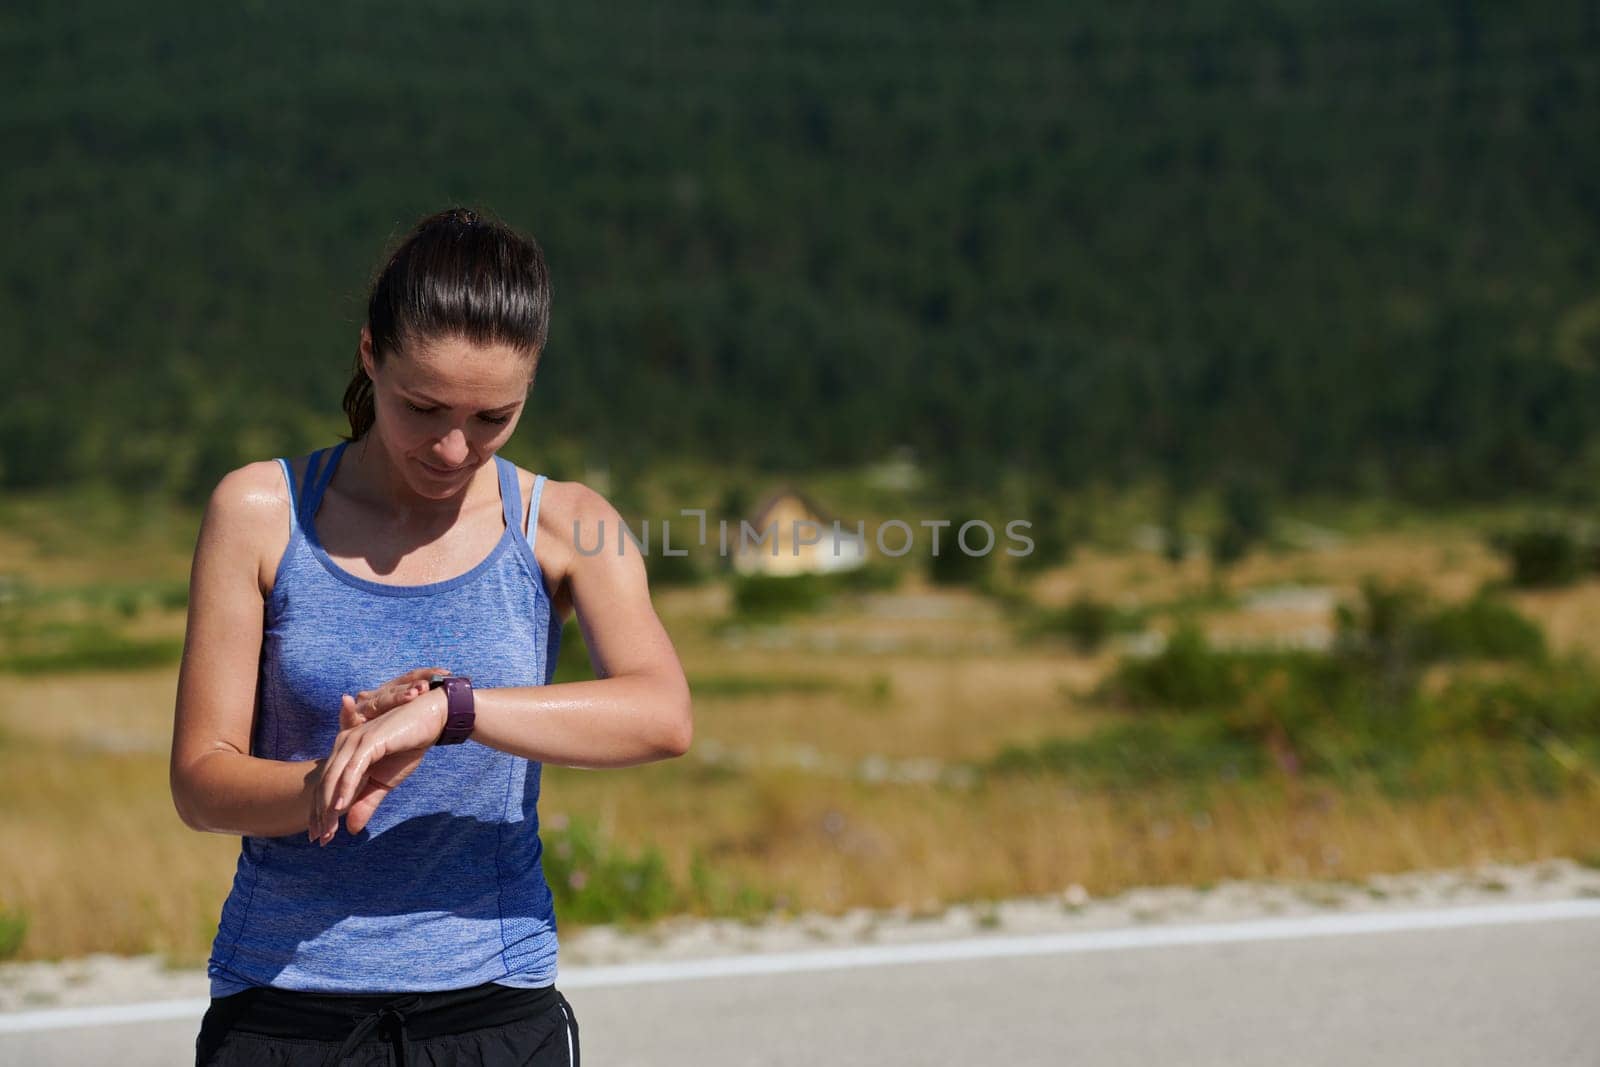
{"x": 441, "y": 472}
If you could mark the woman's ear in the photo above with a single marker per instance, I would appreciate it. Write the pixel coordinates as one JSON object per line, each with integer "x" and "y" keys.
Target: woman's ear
{"x": 364, "y": 351}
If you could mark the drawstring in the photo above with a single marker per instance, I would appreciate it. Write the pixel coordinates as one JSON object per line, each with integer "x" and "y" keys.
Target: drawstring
{"x": 393, "y": 1010}
{"x": 396, "y": 1010}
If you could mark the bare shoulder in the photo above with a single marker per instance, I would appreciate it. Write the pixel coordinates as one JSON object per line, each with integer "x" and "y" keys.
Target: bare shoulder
{"x": 247, "y": 518}
{"x": 566, "y": 503}
{"x": 568, "y": 512}
{"x": 249, "y": 495}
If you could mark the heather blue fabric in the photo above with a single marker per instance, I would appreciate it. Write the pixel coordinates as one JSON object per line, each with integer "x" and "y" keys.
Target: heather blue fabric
{"x": 444, "y": 889}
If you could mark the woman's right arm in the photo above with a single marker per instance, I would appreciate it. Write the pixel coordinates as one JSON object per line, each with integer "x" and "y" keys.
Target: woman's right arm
{"x": 217, "y": 786}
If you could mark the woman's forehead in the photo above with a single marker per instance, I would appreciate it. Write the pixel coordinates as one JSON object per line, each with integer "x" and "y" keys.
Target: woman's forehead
{"x": 458, "y": 372}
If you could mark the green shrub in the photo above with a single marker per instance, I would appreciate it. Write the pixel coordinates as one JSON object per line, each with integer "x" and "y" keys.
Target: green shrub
{"x": 13, "y": 930}
{"x": 1393, "y": 632}
{"x": 1559, "y": 700}
{"x": 1386, "y": 623}
{"x": 1336, "y": 718}
{"x": 1087, "y": 621}
{"x": 1356, "y": 716}
{"x": 1186, "y": 673}
{"x": 127, "y": 603}
{"x": 1246, "y": 520}
{"x": 1052, "y": 542}
{"x": 594, "y": 882}
{"x": 1542, "y": 554}
{"x": 1483, "y": 628}
{"x": 762, "y": 596}
{"x": 1386, "y": 636}
{"x": 952, "y": 565}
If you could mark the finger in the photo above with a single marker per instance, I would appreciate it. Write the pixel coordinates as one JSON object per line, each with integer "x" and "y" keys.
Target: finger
{"x": 323, "y": 829}
{"x": 362, "y": 810}
{"x": 331, "y": 774}
{"x": 373, "y": 792}
{"x": 417, "y": 679}
{"x": 355, "y": 773}
{"x": 404, "y": 689}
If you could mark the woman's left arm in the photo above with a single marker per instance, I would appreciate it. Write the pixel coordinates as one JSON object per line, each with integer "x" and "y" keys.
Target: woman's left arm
{"x": 637, "y": 709}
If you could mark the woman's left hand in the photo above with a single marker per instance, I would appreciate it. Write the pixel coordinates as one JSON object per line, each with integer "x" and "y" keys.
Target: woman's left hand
{"x": 370, "y": 758}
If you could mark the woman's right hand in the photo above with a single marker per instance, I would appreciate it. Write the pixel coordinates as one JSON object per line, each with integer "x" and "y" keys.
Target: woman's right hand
{"x": 370, "y": 703}
{"x": 384, "y": 775}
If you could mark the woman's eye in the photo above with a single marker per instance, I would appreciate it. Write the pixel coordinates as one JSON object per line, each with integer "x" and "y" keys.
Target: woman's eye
{"x": 497, "y": 420}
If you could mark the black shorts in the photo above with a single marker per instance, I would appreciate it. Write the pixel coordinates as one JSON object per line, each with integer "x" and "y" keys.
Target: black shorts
{"x": 485, "y": 1026}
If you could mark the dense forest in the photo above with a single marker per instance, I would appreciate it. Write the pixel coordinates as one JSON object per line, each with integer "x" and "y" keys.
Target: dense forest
{"x": 1343, "y": 247}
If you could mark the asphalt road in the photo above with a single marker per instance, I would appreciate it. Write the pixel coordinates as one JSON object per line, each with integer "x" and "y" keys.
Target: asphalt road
{"x": 1492, "y": 993}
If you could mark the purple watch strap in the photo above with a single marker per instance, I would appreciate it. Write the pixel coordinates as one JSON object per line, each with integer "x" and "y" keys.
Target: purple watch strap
{"x": 460, "y": 713}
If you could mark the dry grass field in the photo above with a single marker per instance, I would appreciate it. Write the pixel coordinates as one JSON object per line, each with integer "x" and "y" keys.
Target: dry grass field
{"x": 832, "y": 766}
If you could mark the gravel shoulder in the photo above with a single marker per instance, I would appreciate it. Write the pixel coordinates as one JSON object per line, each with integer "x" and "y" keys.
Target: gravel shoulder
{"x": 106, "y": 979}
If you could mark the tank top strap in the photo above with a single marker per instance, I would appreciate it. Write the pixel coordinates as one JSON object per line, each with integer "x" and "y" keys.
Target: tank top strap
{"x": 302, "y": 492}
{"x": 510, "y": 493}
{"x": 287, "y": 466}
{"x": 305, "y": 494}
{"x": 511, "y": 501}
{"x": 317, "y": 479}
{"x": 533, "y": 509}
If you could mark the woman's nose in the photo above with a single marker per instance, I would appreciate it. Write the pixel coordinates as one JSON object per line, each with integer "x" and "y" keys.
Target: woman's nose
{"x": 453, "y": 448}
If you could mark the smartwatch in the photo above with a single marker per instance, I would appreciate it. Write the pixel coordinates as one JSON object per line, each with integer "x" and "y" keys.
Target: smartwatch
{"x": 460, "y": 715}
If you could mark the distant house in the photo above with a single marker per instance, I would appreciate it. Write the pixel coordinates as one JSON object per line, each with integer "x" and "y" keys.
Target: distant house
{"x": 778, "y": 539}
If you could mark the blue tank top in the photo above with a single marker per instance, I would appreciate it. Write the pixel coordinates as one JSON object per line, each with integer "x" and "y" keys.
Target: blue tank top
{"x": 444, "y": 889}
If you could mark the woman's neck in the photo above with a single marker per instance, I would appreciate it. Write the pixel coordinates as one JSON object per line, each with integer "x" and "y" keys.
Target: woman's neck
{"x": 375, "y": 482}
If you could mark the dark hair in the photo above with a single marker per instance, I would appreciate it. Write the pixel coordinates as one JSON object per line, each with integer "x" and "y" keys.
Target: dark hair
{"x": 456, "y": 275}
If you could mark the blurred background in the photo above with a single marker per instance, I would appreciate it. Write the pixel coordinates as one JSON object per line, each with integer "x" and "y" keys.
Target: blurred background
{"x": 1278, "y": 321}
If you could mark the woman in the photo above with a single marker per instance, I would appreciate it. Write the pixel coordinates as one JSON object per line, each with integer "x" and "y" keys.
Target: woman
{"x": 365, "y": 697}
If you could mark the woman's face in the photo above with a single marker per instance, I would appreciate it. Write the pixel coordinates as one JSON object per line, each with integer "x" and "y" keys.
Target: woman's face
{"x": 444, "y": 408}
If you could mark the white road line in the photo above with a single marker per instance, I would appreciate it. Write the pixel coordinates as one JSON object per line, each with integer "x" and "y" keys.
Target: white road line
{"x": 979, "y": 947}
{"x": 1155, "y": 936}
{"x": 107, "y": 1015}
